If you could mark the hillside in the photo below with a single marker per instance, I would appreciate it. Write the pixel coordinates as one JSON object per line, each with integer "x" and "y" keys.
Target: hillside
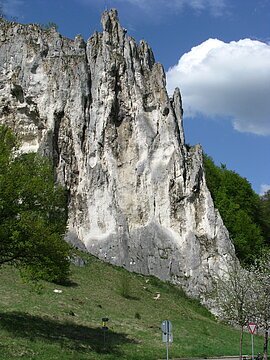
{"x": 37, "y": 323}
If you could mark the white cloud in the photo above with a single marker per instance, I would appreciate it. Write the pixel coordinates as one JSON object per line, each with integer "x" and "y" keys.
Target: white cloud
{"x": 229, "y": 80}
{"x": 12, "y": 7}
{"x": 216, "y": 7}
{"x": 264, "y": 188}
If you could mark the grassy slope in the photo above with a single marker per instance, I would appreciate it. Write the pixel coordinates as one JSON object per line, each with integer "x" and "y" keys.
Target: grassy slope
{"x": 48, "y": 325}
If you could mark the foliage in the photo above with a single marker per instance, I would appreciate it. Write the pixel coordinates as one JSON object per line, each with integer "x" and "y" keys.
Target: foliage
{"x": 235, "y": 298}
{"x": 243, "y": 295}
{"x": 125, "y": 286}
{"x": 33, "y": 213}
{"x": 265, "y": 216}
{"x": 137, "y": 316}
{"x": 49, "y": 25}
{"x": 261, "y": 288}
{"x": 239, "y": 207}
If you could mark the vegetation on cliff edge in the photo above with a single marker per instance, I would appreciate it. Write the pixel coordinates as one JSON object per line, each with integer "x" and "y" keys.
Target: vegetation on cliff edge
{"x": 245, "y": 214}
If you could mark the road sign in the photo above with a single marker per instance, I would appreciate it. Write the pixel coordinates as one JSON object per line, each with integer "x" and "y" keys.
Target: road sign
{"x": 105, "y": 329}
{"x": 167, "y": 338}
{"x": 252, "y": 327}
{"x": 166, "y": 327}
{"x": 104, "y": 323}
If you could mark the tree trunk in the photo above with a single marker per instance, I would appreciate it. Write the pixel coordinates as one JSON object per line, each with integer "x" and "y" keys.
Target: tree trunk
{"x": 265, "y": 345}
{"x": 241, "y": 343}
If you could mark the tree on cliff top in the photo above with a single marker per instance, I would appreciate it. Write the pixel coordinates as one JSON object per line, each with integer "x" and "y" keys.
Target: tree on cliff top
{"x": 32, "y": 214}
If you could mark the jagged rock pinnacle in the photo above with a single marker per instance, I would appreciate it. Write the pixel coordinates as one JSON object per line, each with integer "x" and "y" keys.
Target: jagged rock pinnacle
{"x": 100, "y": 109}
{"x": 109, "y": 20}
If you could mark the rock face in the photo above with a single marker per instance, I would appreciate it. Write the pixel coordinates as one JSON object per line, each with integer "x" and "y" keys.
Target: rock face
{"x": 138, "y": 196}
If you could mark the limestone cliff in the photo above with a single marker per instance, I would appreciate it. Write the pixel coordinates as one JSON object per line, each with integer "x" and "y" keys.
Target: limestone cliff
{"x": 138, "y": 196}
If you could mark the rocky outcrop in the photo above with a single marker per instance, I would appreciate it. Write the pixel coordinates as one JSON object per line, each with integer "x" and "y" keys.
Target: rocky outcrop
{"x": 138, "y": 196}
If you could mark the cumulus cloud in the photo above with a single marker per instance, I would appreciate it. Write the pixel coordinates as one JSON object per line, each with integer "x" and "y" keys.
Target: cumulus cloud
{"x": 230, "y": 80}
{"x": 264, "y": 188}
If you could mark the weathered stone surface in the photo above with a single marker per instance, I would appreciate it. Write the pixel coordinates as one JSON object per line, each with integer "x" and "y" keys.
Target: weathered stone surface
{"x": 138, "y": 196}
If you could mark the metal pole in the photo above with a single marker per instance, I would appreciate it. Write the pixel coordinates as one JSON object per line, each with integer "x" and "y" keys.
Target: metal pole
{"x": 167, "y": 342}
{"x": 252, "y": 346}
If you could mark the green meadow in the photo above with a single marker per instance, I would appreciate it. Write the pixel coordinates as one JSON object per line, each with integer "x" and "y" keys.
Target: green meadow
{"x": 38, "y": 323}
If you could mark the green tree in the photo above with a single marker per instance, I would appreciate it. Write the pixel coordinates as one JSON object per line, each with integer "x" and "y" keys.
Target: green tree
{"x": 213, "y": 176}
{"x": 33, "y": 214}
{"x": 265, "y": 215}
{"x": 239, "y": 207}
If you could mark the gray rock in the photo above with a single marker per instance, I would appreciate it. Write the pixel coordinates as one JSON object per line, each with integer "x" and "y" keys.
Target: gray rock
{"x": 138, "y": 196}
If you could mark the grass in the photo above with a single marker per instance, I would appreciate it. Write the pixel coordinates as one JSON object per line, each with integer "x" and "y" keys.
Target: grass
{"x": 41, "y": 324}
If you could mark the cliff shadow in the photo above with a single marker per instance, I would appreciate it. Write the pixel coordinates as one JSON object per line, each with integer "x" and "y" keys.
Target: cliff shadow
{"x": 67, "y": 334}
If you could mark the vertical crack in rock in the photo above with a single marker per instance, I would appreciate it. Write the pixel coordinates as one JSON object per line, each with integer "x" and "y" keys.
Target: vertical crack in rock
{"x": 176, "y": 103}
{"x": 138, "y": 196}
{"x": 55, "y": 138}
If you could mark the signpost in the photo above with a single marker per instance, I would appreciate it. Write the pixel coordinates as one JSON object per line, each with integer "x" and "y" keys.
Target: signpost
{"x": 252, "y": 328}
{"x": 104, "y": 328}
{"x": 167, "y": 336}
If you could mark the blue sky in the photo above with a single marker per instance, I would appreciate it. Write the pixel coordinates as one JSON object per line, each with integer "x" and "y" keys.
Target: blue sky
{"x": 216, "y": 51}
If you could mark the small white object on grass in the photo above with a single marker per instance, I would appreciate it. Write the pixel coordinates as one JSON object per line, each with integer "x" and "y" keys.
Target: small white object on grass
{"x": 57, "y": 291}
